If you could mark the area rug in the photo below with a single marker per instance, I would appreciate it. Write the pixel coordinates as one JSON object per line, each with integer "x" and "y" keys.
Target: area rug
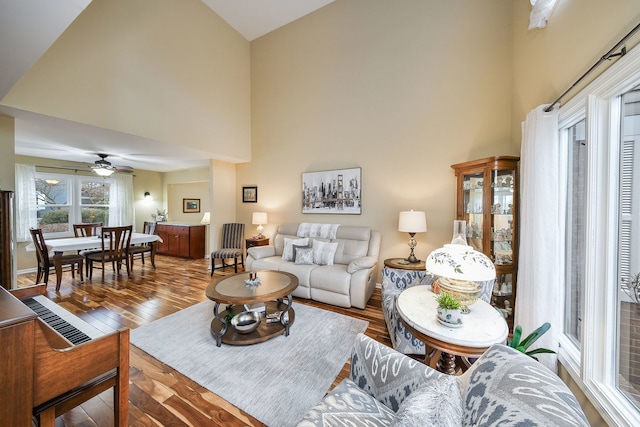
{"x": 276, "y": 381}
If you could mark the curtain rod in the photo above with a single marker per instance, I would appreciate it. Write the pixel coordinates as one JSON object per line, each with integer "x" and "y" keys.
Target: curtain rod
{"x": 607, "y": 56}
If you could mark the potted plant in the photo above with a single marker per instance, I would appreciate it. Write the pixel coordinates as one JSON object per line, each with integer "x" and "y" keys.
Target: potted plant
{"x": 449, "y": 310}
{"x": 523, "y": 346}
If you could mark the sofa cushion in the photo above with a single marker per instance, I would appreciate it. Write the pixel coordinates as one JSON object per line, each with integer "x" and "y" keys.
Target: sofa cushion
{"x": 508, "y": 388}
{"x": 324, "y": 252}
{"x": 287, "y": 252}
{"x": 348, "y": 405}
{"x": 332, "y": 278}
{"x": 436, "y": 403}
{"x": 304, "y": 256}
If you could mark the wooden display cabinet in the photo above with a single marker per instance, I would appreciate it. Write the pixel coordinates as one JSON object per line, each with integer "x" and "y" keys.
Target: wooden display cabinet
{"x": 181, "y": 240}
{"x": 487, "y": 200}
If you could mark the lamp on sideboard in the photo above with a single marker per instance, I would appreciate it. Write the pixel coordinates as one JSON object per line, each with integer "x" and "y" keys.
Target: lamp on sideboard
{"x": 206, "y": 218}
{"x": 259, "y": 218}
{"x": 412, "y": 222}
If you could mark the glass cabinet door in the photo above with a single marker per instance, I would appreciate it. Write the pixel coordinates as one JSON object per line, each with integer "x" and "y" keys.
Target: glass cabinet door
{"x": 487, "y": 199}
{"x": 502, "y": 209}
{"x": 473, "y": 190}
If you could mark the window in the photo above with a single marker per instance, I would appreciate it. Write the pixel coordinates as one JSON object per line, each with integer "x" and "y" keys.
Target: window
{"x": 576, "y": 144}
{"x": 600, "y": 136}
{"x": 628, "y": 375}
{"x": 63, "y": 200}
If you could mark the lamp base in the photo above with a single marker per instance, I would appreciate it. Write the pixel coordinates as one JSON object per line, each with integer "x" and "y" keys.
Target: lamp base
{"x": 260, "y": 236}
{"x": 412, "y": 259}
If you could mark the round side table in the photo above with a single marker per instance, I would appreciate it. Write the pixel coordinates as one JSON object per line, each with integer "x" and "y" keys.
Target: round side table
{"x": 481, "y": 328}
{"x": 402, "y": 264}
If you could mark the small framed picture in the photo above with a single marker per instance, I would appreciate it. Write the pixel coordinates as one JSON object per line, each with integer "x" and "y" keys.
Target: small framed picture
{"x": 190, "y": 205}
{"x": 250, "y": 194}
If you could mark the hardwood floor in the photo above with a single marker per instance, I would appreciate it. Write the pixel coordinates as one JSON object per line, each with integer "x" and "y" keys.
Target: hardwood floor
{"x": 159, "y": 395}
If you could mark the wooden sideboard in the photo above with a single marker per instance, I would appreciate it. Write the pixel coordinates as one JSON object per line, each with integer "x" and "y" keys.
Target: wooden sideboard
{"x": 181, "y": 240}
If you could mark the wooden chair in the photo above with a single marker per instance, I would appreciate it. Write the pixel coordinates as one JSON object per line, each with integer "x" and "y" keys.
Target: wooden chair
{"x": 114, "y": 250}
{"x": 145, "y": 248}
{"x": 232, "y": 236}
{"x": 86, "y": 229}
{"x": 45, "y": 263}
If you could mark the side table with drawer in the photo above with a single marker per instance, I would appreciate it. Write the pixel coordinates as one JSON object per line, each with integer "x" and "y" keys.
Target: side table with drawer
{"x": 249, "y": 243}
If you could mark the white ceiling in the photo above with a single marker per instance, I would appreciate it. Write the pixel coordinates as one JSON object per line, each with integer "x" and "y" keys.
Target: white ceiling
{"x": 29, "y": 27}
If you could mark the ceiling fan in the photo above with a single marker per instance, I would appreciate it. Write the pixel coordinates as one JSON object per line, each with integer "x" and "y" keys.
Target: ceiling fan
{"x": 104, "y": 168}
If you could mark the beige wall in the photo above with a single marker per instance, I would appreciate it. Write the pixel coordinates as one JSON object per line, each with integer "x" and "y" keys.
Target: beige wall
{"x": 168, "y": 70}
{"x": 7, "y": 150}
{"x": 401, "y": 89}
{"x": 548, "y": 61}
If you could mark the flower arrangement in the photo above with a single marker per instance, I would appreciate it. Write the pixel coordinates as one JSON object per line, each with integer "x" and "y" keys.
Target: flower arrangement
{"x": 160, "y": 215}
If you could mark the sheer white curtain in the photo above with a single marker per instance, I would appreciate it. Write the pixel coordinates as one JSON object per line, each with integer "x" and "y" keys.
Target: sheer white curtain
{"x": 121, "y": 209}
{"x": 26, "y": 206}
{"x": 540, "y": 294}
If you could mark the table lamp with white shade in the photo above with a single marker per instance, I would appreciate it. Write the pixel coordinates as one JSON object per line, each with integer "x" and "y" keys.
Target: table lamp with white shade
{"x": 259, "y": 218}
{"x": 459, "y": 267}
{"x": 206, "y": 218}
{"x": 412, "y": 222}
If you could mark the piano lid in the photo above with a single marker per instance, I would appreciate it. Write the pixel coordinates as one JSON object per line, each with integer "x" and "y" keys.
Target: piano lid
{"x": 12, "y": 310}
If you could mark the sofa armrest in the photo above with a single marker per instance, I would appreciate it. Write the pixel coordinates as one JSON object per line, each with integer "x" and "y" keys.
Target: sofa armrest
{"x": 387, "y": 375}
{"x": 258, "y": 252}
{"x": 362, "y": 263}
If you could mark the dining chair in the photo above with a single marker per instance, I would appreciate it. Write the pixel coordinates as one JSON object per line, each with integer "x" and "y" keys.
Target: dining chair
{"x": 144, "y": 248}
{"x": 115, "y": 243}
{"x": 46, "y": 264}
{"x": 232, "y": 235}
{"x": 86, "y": 229}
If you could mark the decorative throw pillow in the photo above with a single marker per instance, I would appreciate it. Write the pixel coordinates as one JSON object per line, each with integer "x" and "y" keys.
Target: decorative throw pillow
{"x": 304, "y": 256}
{"x": 437, "y": 403}
{"x": 296, "y": 247}
{"x": 323, "y": 252}
{"x": 287, "y": 251}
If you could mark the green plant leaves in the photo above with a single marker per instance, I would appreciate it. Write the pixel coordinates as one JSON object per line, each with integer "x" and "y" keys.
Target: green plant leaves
{"x": 530, "y": 339}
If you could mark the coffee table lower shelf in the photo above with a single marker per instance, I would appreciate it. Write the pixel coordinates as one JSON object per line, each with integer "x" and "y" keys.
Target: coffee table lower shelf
{"x": 263, "y": 333}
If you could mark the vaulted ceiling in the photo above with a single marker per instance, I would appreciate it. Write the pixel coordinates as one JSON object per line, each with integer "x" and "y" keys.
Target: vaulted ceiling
{"x": 28, "y": 28}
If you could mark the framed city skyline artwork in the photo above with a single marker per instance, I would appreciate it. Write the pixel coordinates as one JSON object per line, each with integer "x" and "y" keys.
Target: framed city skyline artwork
{"x": 332, "y": 192}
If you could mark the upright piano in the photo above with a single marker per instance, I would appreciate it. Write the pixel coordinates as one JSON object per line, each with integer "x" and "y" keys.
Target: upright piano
{"x": 43, "y": 374}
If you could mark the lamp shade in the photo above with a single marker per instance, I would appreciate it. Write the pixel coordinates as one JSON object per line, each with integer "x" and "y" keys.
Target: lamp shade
{"x": 460, "y": 262}
{"x": 259, "y": 218}
{"x": 206, "y": 218}
{"x": 412, "y": 222}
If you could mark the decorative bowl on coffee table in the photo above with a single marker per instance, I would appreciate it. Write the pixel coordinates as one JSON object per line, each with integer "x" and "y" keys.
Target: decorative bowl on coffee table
{"x": 246, "y": 322}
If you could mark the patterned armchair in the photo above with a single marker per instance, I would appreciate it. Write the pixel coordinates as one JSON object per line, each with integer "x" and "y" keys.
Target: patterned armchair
{"x": 504, "y": 387}
{"x": 394, "y": 281}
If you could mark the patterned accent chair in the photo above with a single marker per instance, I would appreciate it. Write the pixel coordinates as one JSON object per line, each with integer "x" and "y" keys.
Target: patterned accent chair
{"x": 232, "y": 235}
{"x": 394, "y": 281}
{"x": 503, "y": 388}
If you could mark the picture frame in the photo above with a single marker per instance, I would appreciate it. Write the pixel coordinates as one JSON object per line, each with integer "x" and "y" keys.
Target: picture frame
{"x": 332, "y": 192}
{"x": 250, "y": 194}
{"x": 191, "y": 205}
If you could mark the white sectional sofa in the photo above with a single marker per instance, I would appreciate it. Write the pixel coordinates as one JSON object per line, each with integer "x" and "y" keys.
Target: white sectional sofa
{"x": 335, "y": 266}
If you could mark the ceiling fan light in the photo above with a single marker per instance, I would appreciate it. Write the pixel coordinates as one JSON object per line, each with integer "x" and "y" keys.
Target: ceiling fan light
{"x": 103, "y": 170}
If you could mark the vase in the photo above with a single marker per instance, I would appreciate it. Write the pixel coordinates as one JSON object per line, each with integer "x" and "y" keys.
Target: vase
{"x": 449, "y": 316}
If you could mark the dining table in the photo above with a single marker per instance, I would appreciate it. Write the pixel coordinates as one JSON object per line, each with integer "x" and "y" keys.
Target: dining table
{"x": 59, "y": 246}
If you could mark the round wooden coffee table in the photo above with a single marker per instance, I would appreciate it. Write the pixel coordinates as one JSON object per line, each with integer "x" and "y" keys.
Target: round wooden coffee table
{"x": 236, "y": 293}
